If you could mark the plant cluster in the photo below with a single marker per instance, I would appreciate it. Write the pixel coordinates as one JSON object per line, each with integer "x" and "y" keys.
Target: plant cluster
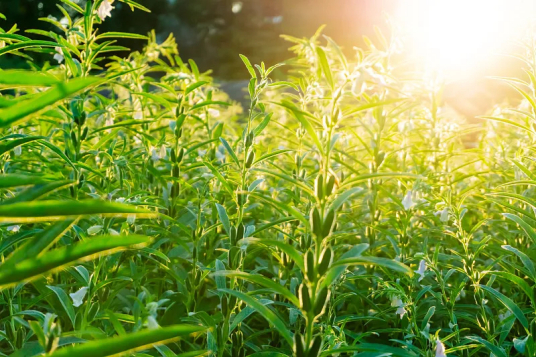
{"x": 345, "y": 212}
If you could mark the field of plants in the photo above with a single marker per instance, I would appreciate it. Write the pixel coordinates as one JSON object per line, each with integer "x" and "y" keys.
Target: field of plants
{"x": 345, "y": 212}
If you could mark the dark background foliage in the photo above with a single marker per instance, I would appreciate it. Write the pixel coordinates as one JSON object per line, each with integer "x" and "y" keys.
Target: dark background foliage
{"x": 209, "y": 32}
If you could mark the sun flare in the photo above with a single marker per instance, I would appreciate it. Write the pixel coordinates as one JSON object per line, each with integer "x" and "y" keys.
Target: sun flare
{"x": 463, "y": 35}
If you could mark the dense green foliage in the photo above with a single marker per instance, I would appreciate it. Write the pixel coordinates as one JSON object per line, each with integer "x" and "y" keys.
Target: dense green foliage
{"x": 346, "y": 212}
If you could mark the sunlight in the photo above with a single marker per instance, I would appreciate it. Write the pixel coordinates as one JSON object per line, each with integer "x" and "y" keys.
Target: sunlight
{"x": 461, "y": 36}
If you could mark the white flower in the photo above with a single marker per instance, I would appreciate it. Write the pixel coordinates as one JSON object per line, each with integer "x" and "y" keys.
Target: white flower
{"x": 154, "y": 155}
{"x": 421, "y": 270}
{"x": 440, "y": 349}
{"x": 78, "y": 297}
{"x": 152, "y": 324}
{"x": 237, "y": 7}
{"x": 59, "y": 54}
{"x": 94, "y": 230}
{"x": 407, "y": 202}
{"x": 443, "y": 215}
{"x": 163, "y": 152}
{"x": 396, "y": 301}
{"x": 105, "y": 10}
{"x": 13, "y": 229}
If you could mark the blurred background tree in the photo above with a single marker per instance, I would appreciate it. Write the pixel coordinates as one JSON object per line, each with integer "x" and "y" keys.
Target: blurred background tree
{"x": 214, "y": 32}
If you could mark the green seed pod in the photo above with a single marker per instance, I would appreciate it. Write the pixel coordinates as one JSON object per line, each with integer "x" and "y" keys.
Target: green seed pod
{"x": 316, "y": 222}
{"x": 320, "y": 301}
{"x": 176, "y": 171}
{"x": 329, "y": 221}
{"x": 84, "y": 134}
{"x": 240, "y": 232}
{"x": 250, "y": 159}
{"x": 319, "y": 186}
{"x": 232, "y": 303}
{"x": 180, "y": 156}
{"x": 298, "y": 348}
{"x": 310, "y": 265}
{"x": 325, "y": 261}
{"x": 234, "y": 257}
{"x": 330, "y": 184}
{"x": 249, "y": 139}
{"x": 297, "y": 160}
{"x": 173, "y": 155}
{"x": 73, "y": 139}
{"x": 305, "y": 298}
{"x": 315, "y": 347}
{"x": 232, "y": 236}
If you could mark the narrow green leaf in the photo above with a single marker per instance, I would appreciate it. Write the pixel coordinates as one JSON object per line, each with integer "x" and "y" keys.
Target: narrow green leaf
{"x": 265, "y": 312}
{"x": 53, "y": 260}
{"x": 131, "y": 342}
{"x": 509, "y": 304}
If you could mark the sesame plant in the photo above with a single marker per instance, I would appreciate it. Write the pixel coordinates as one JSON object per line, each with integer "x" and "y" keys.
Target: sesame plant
{"x": 345, "y": 211}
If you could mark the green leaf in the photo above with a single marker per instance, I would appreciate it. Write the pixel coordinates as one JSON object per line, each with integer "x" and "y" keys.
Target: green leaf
{"x": 194, "y": 86}
{"x": 219, "y": 176}
{"x": 27, "y": 78}
{"x": 27, "y": 44}
{"x": 524, "y": 225}
{"x": 14, "y": 180}
{"x": 382, "y": 262}
{"x": 325, "y": 66}
{"x": 40, "y": 102}
{"x": 498, "y": 352}
{"x": 122, "y": 35}
{"x": 40, "y": 211}
{"x": 230, "y": 151}
{"x": 509, "y": 304}
{"x": 32, "y": 268}
{"x": 527, "y": 262}
{"x": 65, "y": 302}
{"x": 261, "y": 280}
{"x": 38, "y": 245}
{"x": 292, "y": 252}
{"x": 249, "y": 67}
{"x": 265, "y": 312}
{"x": 131, "y": 342}
{"x": 223, "y": 218}
{"x": 38, "y": 191}
{"x": 11, "y": 144}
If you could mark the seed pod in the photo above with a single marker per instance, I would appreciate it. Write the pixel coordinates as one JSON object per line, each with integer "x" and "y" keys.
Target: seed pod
{"x": 232, "y": 303}
{"x": 305, "y": 299}
{"x": 319, "y": 186}
{"x": 329, "y": 221}
{"x": 84, "y": 134}
{"x": 297, "y": 160}
{"x": 173, "y": 155}
{"x": 316, "y": 222}
{"x": 299, "y": 349}
{"x": 325, "y": 261}
{"x": 249, "y": 139}
{"x": 176, "y": 171}
{"x": 320, "y": 301}
{"x": 315, "y": 347}
{"x": 310, "y": 265}
{"x": 232, "y": 236}
{"x": 73, "y": 139}
{"x": 241, "y": 198}
{"x": 180, "y": 156}
{"x": 178, "y": 133}
{"x": 194, "y": 252}
{"x": 240, "y": 232}
{"x": 234, "y": 257}
{"x": 250, "y": 159}
{"x": 330, "y": 184}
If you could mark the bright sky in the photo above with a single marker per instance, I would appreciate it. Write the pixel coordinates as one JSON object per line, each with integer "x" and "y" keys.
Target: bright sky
{"x": 462, "y": 36}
